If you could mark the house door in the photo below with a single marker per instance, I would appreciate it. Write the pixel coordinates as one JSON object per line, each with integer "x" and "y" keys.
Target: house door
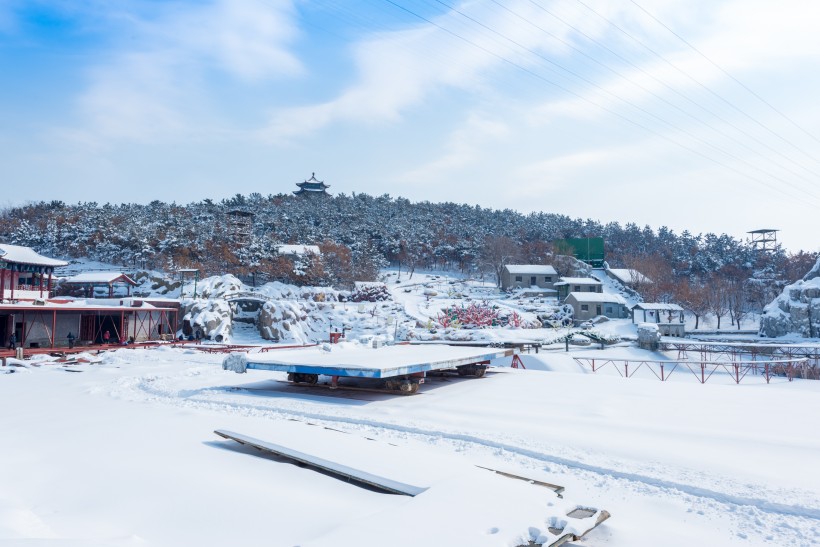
{"x": 598, "y": 309}
{"x": 532, "y": 281}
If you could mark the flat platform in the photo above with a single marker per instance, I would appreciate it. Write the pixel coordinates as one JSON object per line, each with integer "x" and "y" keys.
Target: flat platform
{"x": 361, "y": 362}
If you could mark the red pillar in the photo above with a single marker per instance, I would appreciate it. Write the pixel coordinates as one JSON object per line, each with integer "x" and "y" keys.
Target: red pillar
{"x": 150, "y": 317}
{"x": 3, "y": 284}
{"x": 122, "y": 326}
{"x": 49, "y": 285}
{"x": 41, "y": 284}
{"x": 23, "y": 336}
{"x": 110, "y": 290}
{"x": 12, "y": 285}
{"x": 53, "y": 327}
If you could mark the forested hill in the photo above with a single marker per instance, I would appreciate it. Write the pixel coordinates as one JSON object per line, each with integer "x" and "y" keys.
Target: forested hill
{"x": 369, "y": 229}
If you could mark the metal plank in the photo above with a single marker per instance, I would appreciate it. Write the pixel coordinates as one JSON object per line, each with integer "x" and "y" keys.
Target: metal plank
{"x": 336, "y": 469}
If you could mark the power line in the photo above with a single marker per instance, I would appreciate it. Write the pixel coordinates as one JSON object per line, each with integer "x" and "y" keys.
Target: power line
{"x": 741, "y": 84}
{"x": 567, "y": 90}
{"x": 661, "y": 120}
{"x": 660, "y": 98}
{"x": 698, "y": 82}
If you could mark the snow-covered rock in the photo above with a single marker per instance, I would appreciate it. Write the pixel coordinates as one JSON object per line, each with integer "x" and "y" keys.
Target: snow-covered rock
{"x": 796, "y": 310}
{"x": 288, "y": 321}
{"x": 214, "y": 317}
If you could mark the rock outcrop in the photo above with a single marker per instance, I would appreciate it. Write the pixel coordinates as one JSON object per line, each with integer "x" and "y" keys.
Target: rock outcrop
{"x": 796, "y": 310}
{"x": 214, "y": 317}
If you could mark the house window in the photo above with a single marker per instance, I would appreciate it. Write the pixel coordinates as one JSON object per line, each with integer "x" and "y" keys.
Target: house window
{"x": 609, "y": 309}
{"x": 584, "y": 307}
{"x": 547, "y": 278}
{"x": 518, "y": 278}
{"x": 577, "y": 288}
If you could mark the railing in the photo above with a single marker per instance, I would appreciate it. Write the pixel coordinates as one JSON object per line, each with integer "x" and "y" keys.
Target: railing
{"x": 703, "y": 370}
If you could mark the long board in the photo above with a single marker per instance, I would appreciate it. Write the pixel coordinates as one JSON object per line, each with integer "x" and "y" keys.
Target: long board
{"x": 343, "y": 471}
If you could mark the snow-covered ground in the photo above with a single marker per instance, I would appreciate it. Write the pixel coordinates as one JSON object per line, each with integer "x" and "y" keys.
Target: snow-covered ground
{"x": 122, "y": 452}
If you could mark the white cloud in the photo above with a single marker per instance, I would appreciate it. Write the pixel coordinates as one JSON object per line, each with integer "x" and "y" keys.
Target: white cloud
{"x": 399, "y": 69}
{"x": 159, "y": 87}
{"x": 463, "y": 147}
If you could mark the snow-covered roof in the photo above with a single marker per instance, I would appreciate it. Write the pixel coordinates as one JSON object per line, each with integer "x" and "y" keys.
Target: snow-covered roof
{"x": 99, "y": 277}
{"x": 597, "y": 298}
{"x": 628, "y": 275}
{"x": 537, "y": 269}
{"x": 298, "y": 249}
{"x": 27, "y": 255}
{"x": 660, "y": 306}
{"x": 578, "y": 281}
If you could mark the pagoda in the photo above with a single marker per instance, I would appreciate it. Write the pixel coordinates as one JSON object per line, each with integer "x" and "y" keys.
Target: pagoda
{"x": 312, "y": 187}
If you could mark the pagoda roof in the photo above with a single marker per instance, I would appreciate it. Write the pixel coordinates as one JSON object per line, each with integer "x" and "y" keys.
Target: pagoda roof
{"x": 26, "y": 255}
{"x": 313, "y": 183}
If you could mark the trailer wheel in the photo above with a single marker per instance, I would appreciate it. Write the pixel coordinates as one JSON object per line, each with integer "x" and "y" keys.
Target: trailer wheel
{"x": 408, "y": 387}
{"x": 464, "y": 370}
{"x": 479, "y": 371}
{"x": 311, "y": 379}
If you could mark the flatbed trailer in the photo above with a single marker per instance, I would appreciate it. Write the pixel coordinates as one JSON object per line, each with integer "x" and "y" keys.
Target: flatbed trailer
{"x": 400, "y": 368}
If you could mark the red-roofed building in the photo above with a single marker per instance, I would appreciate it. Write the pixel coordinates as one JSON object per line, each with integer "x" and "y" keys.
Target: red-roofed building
{"x": 25, "y": 274}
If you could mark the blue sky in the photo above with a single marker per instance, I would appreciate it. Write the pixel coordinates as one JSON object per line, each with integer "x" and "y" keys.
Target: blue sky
{"x": 589, "y": 108}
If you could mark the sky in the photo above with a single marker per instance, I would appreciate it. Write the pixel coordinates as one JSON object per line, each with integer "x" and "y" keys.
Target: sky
{"x": 697, "y": 115}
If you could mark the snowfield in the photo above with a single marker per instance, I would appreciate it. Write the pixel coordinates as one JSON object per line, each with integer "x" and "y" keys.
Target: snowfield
{"x": 121, "y": 451}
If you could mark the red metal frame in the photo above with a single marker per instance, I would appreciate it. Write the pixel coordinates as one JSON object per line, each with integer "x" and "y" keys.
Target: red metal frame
{"x": 702, "y": 371}
{"x": 517, "y": 362}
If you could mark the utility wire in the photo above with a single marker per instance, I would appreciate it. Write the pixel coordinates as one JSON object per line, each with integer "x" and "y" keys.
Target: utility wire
{"x": 661, "y": 98}
{"x": 698, "y": 82}
{"x": 630, "y": 103}
{"x": 585, "y": 99}
{"x": 713, "y": 63}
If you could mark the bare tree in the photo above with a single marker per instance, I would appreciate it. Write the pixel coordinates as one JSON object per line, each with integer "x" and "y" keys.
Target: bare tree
{"x": 497, "y": 252}
{"x": 716, "y": 295}
{"x": 693, "y": 296}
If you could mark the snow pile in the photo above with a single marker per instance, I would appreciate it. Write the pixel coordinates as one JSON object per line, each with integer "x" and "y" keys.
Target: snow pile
{"x": 236, "y": 362}
{"x": 796, "y": 309}
{"x": 216, "y": 286}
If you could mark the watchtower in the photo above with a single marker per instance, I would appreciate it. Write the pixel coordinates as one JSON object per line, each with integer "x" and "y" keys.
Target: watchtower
{"x": 764, "y": 239}
{"x": 240, "y": 227}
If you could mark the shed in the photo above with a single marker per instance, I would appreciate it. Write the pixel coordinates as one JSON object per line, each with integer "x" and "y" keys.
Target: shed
{"x": 587, "y": 305}
{"x": 567, "y": 285}
{"x": 528, "y": 275}
{"x": 668, "y": 317}
{"x": 628, "y": 277}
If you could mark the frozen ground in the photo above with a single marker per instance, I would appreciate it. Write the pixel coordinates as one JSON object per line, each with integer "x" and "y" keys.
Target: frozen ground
{"x": 122, "y": 453}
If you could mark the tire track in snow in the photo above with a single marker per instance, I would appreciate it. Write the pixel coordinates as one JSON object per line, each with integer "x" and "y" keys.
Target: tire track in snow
{"x": 194, "y": 398}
